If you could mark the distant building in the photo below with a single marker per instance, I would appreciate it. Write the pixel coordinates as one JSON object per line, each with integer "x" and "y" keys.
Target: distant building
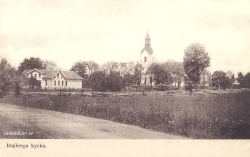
{"x": 146, "y": 60}
{"x": 55, "y": 79}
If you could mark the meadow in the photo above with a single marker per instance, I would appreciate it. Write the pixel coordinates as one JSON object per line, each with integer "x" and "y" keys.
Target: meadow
{"x": 209, "y": 116}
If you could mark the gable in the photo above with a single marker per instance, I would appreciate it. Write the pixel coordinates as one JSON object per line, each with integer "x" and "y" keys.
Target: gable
{"x": 148, "y": 49}
{"x": 58, "y": 75}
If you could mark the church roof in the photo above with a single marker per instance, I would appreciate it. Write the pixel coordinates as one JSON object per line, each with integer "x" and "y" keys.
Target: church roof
{"x": 148, "y": 49}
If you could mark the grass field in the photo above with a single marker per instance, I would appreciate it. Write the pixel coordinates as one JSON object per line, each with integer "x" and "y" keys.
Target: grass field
{"x": 210, "y": 116}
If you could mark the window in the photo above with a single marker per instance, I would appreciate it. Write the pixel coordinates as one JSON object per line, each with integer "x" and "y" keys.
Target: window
{"x": 66, "y": 83}
{"x": 57, "y": 75}
{"x": 31, "y": 75}
{"x": 145, "y": 59}
{"x": 55, "y": 83}
{"x": 35, "y": 75}
{"x": 58, "y": 83}
{"x": 46, "y": 83}
{"x": 62, "y": 83}
{"x": 39, "y": 75}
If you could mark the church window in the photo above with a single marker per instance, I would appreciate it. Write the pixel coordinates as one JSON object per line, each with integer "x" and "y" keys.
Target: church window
{"x": 145, "y": 59}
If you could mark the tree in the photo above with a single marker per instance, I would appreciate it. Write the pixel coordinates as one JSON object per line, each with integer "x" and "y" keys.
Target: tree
{"x": 5, "y": 83}
{"x": 219, "y": 79}
{"x": 178, "y": 77}
{"x": 33, "y": 82}
{"x": 128, "y": 79}
{"x": 7, "y": 72}
{"x": 110, "y": 66}
{"x": 6, "y": 68}
{"x": 231, "y": 78}
{"x": 247, "y": 80}
{"x": 80, "y": 68}
{"x": 131, "y": 67}
{"x": 18, "y": 82}
{"x": 49, "y": 65}
{"x": 4, "y": 65}
{"x": 240, "y": 79}
{"x": 86, "y": 82}
{"x": 160, "y": 75}
{"x": 205, "y": 78}
{"x": 177, "y": 71}
{"x": 137, "y": 74}
{"x": 123, "y": 68}
{"x": 31, "y": 63}
{"x": 196, "y": 59}
{"x": 98, "y": 81}
{"x": 93, "y": 66}
{"x": 114, "y": 81}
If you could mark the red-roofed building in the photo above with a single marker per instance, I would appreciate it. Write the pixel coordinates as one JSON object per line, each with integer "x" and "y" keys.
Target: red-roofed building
{"x": 55, "y": 79}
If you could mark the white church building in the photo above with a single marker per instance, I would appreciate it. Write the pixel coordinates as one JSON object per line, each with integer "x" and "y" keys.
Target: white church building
{"x": 146, "y": 61}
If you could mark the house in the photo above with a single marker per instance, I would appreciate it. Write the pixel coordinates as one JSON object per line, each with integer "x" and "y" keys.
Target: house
{"x": 55, "y": 79}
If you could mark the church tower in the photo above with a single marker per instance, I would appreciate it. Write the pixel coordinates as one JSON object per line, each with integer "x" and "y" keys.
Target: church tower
{"x": 146, "y": 60}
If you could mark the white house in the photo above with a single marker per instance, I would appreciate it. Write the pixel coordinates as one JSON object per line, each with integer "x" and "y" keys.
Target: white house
{"x": 55, "y": 79}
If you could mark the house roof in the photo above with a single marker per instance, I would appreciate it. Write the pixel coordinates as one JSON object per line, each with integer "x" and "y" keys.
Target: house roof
{"x": 69, "y": 75}
{"x": 25, "y": 72}
{"x": 49, "y": 73}
{"x": 148, "y": 49}
{"x": 42, "y": 71}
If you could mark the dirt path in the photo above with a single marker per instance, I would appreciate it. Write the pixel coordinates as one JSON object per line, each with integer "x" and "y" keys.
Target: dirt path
{"x": 46, "y": 124}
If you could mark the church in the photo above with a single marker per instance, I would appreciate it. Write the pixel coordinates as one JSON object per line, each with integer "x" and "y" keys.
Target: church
{"x": 146, "y": 61}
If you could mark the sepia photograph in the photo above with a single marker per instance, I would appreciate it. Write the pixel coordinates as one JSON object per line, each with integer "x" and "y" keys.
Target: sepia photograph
{"x": 124, "y": 69}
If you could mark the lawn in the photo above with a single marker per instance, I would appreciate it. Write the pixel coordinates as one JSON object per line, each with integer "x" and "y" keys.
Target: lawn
{"x": 210, "y": 116}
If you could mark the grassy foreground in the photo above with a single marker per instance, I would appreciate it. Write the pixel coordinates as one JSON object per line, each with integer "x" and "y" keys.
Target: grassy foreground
{"x": 211, "y": 116}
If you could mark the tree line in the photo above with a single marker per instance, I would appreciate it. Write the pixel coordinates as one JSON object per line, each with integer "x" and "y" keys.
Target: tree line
{"x": 115, "y": 76}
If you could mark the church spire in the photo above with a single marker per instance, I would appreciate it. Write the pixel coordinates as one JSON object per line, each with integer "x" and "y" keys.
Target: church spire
{"x": 147, "y": 40}
{"x": 147, "y": 36}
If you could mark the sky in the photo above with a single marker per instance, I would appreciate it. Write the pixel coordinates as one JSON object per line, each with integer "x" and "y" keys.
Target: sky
{"x": 67, "y": 31}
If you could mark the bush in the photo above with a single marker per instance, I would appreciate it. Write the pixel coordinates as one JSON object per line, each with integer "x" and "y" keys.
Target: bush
{"x": 102, "y": 82}
{"x": 34, "y": 83}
